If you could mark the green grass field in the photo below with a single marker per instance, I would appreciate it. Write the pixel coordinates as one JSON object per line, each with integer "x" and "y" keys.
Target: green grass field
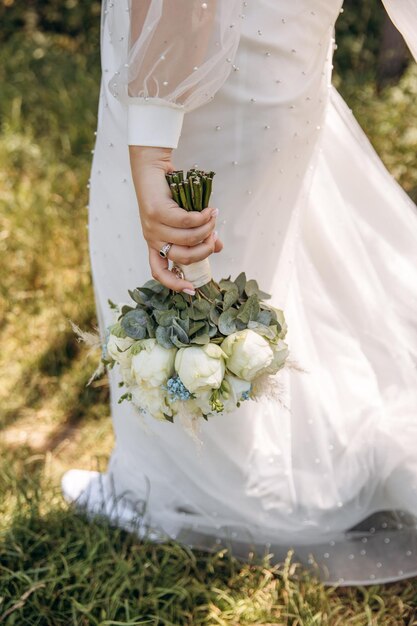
{"x": 57, "y": 568}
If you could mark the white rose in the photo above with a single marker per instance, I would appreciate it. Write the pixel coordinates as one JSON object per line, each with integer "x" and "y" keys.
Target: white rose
{"x": 153, "y": 400}
{"x": 280, "y": 351}
{"x": 153, "y": 364}
{"x": 118, "y": 348}
{"x": 200, "y": 368}
{"x": 248, "y": 354}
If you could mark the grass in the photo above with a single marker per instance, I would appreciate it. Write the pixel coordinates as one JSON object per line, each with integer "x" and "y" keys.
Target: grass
{"x": 57, "y": 567}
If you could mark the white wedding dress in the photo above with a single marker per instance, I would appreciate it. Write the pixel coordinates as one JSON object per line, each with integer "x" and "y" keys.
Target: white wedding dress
{"x": 306, "y": 208}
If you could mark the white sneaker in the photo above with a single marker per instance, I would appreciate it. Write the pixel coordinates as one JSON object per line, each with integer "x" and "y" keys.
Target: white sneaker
{"x": 93, "y": 493}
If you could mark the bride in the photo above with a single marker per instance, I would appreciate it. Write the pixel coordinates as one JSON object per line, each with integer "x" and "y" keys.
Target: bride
{"x": 302, "y": 203}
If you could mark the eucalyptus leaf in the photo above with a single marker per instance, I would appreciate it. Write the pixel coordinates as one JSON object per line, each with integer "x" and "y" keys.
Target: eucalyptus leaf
{"x": 240, "y": 283}
{"x": 177, "y": 342}
{"x": 136, "y": 296}
{"x": 270, "y": 332}
{"x": 249, "y": 310}
{"x": 196, "y": 326}
{"x": 178, "y": 332}
{"x": 146, "y": 294}
{"x": 160, "y": 302}
{"x": 225, "y": 284}
{"x": 251, "y": 287}
{"x": 179, "y": 302}
{"x": 201, "y": 340}
{"x": 214, "y": 315}
{"x": 210, "y": 290}
{"x": 263, "y": 295}
{"x": 184, "y": 323}
{"x": 155, "y": 286}
{"x": 134, "y": 324}
{"x": 126, "y": 308}
{"x": 200, "y": 310}
{"x": 230, "y": 297}
{"x": 240, "y": 325}
{"x": 163, "y": 337}
{"x": 212, "y": 330}
{"x": 204, "y": 330}
{"x": 164, "y": 318}
{"x": 151, "y": 327}
{"x": 227, "y": 323}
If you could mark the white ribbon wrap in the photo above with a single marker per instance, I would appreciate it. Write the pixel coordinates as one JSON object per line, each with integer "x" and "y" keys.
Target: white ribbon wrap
{"x": 197, "y": 273}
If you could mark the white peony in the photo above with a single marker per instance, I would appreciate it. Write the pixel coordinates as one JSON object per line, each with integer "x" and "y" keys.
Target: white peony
{"x": 118, "y": 348}
{"x": 200, "y": 368}
{"x": 152, "y": 364}
{"x": 248, "y": 354}
{"x": 153, "y": 400}
{"x": 280, "y": 351}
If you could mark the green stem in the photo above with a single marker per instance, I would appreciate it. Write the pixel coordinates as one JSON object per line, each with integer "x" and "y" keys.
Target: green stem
{"x": 193, "y": 193}
{"x": 198, "y": 195}
{"x": 174, "y": 192}
{"x": 183, "y": 197}
{"x": 186, "y": 185}
{"x": 207, "y": 192}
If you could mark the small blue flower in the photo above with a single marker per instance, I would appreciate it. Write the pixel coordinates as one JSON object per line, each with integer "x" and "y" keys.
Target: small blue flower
{"x": 177, "y": 390}
{"x": 245, "y": 395}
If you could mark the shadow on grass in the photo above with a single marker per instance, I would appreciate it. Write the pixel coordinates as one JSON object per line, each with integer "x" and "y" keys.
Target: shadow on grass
{"x": 82, "y": 403}
{"x": 59, "y": 357}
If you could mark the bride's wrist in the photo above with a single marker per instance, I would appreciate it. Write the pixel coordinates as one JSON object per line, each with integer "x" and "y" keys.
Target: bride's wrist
{"x": 150, "y": 155}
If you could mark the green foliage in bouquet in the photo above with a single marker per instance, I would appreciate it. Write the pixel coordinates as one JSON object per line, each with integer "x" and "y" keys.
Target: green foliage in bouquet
{"x": 217, "y": 310}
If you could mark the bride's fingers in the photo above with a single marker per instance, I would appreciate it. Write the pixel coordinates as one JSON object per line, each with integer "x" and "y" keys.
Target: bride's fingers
{"x": 176, "y": 217}
{"x": 185, "y": 237}
{"x": 218, "y": 245}
{"x": 186, "y": 255}
{"x": 160, "y": 272}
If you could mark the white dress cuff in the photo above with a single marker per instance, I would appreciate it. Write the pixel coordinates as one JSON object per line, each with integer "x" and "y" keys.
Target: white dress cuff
{"x": 151, "y": 124}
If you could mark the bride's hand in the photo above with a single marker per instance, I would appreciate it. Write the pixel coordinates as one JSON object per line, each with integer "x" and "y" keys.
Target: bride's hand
{"x": 163, "y": 221}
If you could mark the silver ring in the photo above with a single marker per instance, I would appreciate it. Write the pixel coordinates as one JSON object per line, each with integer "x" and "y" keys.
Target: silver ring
{"x": 164, "y": 250}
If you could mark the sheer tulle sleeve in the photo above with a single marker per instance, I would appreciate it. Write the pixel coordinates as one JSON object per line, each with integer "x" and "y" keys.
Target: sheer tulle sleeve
{"x": 178, "y": 55}
{"x": 404, "y": 15}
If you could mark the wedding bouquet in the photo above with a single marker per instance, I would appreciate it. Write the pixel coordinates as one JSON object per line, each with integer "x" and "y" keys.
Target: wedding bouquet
{"x": 195, "y": 356}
